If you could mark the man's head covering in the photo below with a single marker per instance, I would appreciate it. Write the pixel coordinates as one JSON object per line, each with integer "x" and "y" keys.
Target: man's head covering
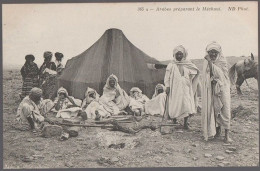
{"x": 29, "y": 57}
{"x": 36, "y": 92}
{"x": 47, "y": 54}
{"x": 158, "y": 86}
{"x": 220, "y": 61}
{"x": 180, "y": 49}
{"x": 58, "y": 55}
{"x": 214, "y": 45}
{"x": 62, "y": 90}
{"x": 112, "y": 77}
{"x": 135, "y": 90}
{"x": 90, "y": 91}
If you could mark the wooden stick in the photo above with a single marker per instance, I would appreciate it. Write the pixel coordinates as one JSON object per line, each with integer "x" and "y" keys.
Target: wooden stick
{"x": 165, "y": 111}
{"x": 100, "y": 122}
{"x": 120, "y": 116}
{"x": 169, "y": 124}
{"x": 118, "y": 120}
{"x": 83, "y": 125}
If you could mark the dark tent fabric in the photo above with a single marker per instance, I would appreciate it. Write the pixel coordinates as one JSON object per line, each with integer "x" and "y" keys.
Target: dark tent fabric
{"x": 114, "y": 54}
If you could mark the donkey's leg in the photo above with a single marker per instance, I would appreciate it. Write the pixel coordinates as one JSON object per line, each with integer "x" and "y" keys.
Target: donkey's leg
{"x": 256, "y": 77}
{"x": 239, "y": 82}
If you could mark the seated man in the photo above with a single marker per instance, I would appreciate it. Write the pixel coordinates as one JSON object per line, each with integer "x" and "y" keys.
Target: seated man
{"x": 90, "y": 95}
{"x": 137, "y": 101}
{"x": 66, "y": 106}
{"x": 29, "y": 114}
{"x": 156, "y": 105}
{"x": 90, "y": 103}
{"x": 114, "y": 99}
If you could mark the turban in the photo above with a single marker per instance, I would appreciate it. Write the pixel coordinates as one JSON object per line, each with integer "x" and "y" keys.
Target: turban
{"x": 36, "y": 92}
{"x": 29, "y": 57}
{"x": 90, "y": 91}
{"x": 47, "y": 54}
{"x": 215, "y": 46}
{"x": 136, "y": 89}
{"x": 58, "y": 55}
{"x": 112, "y": 77}
{"x": 180, "y": 49}
{"x": 62, "y": 90}
{"x": 160, "y": 86}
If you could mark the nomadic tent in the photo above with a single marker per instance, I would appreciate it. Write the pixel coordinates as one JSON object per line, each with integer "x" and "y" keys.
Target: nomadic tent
{"x": 114, "y": 54}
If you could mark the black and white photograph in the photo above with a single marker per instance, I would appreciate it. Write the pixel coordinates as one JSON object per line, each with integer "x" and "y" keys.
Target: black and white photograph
{"x": 130, "y": 85}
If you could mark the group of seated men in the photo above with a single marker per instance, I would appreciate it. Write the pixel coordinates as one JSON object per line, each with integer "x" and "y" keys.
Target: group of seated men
{"x": 115, "y": 101}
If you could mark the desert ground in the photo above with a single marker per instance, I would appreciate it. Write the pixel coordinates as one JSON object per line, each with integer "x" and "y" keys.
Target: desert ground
{"x": 147, "y": 148}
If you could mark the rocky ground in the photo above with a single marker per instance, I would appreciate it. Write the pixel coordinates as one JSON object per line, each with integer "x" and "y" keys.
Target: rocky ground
{"x": 92, "y": 148}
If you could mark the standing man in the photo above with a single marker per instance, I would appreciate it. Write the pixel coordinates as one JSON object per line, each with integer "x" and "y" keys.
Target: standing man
{"x": 46, "y": 64}
{"x": 30, "y": 76}
{"x": 59, "y": 66}
{"x": 181, "y": 82}
{"x": 215, "y": 94}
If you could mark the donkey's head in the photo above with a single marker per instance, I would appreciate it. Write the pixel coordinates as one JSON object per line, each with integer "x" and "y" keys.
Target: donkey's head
{"x": 250, "y": 68}
{"x": 249, "y": 63}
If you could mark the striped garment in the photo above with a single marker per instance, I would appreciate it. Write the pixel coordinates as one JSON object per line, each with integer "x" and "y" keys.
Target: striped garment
{"x": 30, "y": 78}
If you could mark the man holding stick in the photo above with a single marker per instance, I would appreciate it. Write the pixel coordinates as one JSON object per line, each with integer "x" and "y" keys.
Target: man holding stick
{"x": 215, "y": 94}
{"x": 181, "y": 82}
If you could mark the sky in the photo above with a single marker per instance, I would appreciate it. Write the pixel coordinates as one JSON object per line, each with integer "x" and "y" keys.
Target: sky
{"x": 73, "y": 28}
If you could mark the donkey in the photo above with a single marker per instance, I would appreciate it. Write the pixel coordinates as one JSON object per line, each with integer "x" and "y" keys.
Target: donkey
{"x": 242, "y": 70}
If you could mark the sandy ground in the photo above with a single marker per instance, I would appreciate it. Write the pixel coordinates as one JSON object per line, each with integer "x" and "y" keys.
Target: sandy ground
{"x": 145, "y": 149}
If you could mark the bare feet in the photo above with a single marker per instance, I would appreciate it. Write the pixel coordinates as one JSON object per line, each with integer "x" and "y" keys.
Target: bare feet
{"x": 34, "y": 131}
{"x": 98, "y": 116}
{"x": 198, "y": 109}
{"x": 228, "y": 140}
{"x": 174, "y": 121}
{"x": 218, "y": 132}
{"x": 137, "y": 113}
{"x": 186, "y": 124}
{"x": 191, "y": 115}
{"x": 123, "y": 113}
{"x": 186, "y": 127}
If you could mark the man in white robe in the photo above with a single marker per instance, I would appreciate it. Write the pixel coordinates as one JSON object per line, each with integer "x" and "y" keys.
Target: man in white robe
{"x": 66, "y": 106}
{"x": 215, "y": 94}
{"x": 90, "y": 104}
{"x": 181, "y": 81}
{"x": 114, "y": 99}
{"x": 137, "y": 101}
{"x": 156, "y": 106}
